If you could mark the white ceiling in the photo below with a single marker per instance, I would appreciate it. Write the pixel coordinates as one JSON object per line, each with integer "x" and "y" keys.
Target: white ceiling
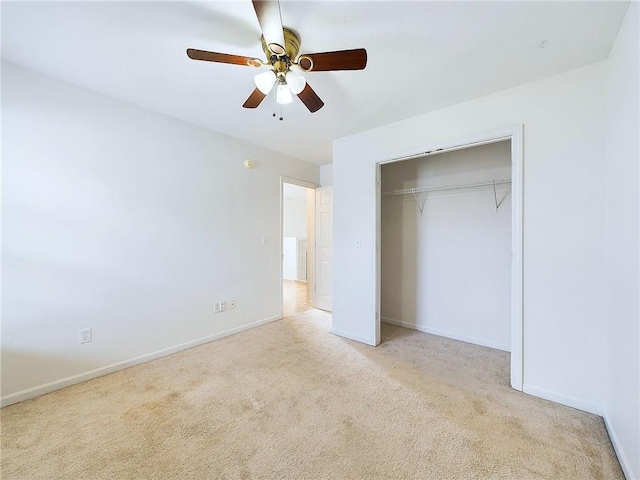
{"x": 421, "y": 56}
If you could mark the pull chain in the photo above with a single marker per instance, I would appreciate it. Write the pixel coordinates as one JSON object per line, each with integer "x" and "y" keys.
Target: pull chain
{"x": 277, "y": 108}
{"x": 275, "y": 105}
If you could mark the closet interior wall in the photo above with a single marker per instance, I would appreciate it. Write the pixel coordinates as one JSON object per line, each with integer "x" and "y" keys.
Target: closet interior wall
{"x": 446, "y": 269}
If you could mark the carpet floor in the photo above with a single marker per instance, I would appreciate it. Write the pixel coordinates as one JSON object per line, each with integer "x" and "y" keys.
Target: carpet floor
{"x": 289, "y": 400}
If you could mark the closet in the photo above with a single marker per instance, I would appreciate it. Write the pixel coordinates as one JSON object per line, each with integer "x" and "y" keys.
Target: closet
{"x": 446, "y": 244}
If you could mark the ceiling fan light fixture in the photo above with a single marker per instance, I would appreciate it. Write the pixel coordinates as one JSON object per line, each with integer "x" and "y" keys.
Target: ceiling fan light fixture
{"x": 295, "y": 81}
{"x": 281, "y": 47}
{"x": 283, "y": 94}
{"x": 265, "y": 81}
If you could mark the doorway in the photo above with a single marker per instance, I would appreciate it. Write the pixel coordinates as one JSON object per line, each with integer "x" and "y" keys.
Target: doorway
{"x": 298, "y": 241}
{"x": 515, "y": 136}
{"x": 446, "y": 244}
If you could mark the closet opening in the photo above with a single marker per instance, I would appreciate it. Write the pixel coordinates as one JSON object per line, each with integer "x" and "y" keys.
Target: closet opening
{"x": 449, "y": 236}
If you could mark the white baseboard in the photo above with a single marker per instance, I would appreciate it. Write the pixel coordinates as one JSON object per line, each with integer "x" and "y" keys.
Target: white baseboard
{"x": 351, "y": 336}
{"x": 98, "y": 372}
{"x": 556, "y": 397}
{"x": 615, "y": 441}
{"x": 444, "y": 333}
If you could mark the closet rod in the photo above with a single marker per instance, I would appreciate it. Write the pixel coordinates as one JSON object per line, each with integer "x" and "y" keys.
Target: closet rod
{"x": 452, "y": 186}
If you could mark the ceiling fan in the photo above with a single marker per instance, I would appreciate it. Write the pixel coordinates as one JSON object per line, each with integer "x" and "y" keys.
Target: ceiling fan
{"x": 281, "y": 47}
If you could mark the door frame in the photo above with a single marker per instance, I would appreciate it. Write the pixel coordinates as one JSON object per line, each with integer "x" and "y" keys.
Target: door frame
{"x": 311, "y": 279}
{"x": 515, "y": 135}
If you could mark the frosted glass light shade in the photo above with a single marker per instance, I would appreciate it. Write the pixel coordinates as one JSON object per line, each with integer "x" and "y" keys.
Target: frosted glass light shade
{"x": 283, "y": 94}
{"x": 265, "y": 81}
{"x": 295, "y": 81}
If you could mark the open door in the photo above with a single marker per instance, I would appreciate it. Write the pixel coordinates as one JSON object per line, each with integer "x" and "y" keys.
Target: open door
{"x": 324, "y": 248}
{"x": 311, "y": 246}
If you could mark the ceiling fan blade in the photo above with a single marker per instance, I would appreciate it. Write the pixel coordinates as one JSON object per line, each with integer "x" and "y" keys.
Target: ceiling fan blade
{"x": 310, "y": 99}
{"x": 194, "y": 54}
{"x": 341, "y": 60}
{"x": 254, "y": 99}
{"x": 270, "y": 20}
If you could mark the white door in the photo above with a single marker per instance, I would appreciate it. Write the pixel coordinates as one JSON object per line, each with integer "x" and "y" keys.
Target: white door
{"x": 324, "y": 250}
{"x": 311, "y": 246}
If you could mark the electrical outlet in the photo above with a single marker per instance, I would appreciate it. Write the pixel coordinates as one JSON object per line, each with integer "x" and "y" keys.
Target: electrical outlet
{"x": 216, "y": 308}
{"x": 85, "y": 335}
{"x": 232, "y": 303}
{"x": 222, "y": 306}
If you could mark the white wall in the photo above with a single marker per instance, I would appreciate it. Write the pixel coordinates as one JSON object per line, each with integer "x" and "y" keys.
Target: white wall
{"x": 289, "y": 258}
{"x": 326, "y": 175}
{"x": 294, "y": 218}
{"x": 622, "y": 286}
{"x": 447, "y": 270}
{"x": 564, "y": 156}
{"x": 128, "y": 222}
{"x": 294, "y": 228}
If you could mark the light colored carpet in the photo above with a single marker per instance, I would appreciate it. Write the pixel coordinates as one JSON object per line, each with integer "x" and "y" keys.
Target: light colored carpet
{"x": 291, "y": 400}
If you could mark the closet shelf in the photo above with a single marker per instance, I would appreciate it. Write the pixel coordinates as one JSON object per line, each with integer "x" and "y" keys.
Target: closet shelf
{"x": 451, "y": 186}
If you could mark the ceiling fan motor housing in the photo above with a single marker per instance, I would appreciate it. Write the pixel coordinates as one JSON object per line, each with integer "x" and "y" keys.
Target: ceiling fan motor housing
{"x": 292, "y": 48}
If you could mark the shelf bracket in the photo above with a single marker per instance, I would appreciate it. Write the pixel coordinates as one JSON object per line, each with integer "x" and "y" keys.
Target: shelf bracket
{"x": 495, "y": 197}
{"x": 420, "y": 198}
